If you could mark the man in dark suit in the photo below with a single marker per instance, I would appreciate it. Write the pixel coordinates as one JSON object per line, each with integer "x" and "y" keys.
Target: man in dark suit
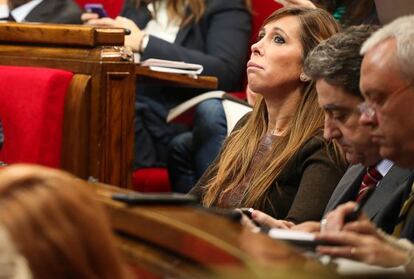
{"x": 335, "y": 66}
{"x": 45, "y": 11}
{"x": 387, "y": 80}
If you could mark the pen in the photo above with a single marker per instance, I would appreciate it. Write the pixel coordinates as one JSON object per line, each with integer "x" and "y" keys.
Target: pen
{"x": 360, "y": 204}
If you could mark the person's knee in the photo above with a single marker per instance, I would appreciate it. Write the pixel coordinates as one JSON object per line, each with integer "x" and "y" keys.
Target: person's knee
{"x": 180, "y": 145}
{"x": 210, "y": 116}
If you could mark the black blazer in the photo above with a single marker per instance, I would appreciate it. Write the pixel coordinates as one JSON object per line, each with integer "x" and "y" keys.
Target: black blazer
{"x": 219, "y": 41}
{"x": 388, "y": 191}
{"x": 56, "y": 11}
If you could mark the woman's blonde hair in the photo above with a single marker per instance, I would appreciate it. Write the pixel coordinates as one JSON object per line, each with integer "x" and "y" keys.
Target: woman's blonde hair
{"x": 56, "y": 225}
{"x": 180, "y": 9}
{"x": 237, "y": 153}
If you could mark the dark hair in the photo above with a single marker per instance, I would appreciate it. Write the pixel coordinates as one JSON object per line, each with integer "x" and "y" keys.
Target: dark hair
{"x": 337, "y": 59}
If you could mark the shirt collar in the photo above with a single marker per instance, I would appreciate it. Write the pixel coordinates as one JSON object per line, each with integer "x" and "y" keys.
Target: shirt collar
{"x": 4, "y": 11}
{"x": 384, "y": 166}
{"x": 21, "y": 12}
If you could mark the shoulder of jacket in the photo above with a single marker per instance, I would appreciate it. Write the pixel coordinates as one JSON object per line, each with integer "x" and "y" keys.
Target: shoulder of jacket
{"x": 214, "y": 5}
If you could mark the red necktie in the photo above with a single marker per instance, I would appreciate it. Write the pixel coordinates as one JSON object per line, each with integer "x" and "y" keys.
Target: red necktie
{"x": 371, "y": 178}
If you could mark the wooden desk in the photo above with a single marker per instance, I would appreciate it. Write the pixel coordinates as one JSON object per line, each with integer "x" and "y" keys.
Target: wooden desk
{"x": 189, "y": 242}
{"x": 144, "y": 74}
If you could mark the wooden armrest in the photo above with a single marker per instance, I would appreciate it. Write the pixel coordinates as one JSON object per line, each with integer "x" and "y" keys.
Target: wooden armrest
{"x": 60, "y": 34}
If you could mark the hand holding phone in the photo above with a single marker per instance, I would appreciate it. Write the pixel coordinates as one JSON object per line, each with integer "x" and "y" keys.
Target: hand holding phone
{"x": 96, "y": 9}
{"x": 248, "y": 211}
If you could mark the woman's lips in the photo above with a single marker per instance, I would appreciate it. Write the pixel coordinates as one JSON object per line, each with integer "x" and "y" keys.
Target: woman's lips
{"x": 251, "y": 65}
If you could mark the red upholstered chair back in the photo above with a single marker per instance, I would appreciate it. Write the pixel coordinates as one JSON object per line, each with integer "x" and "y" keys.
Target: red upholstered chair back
{"x": 31, "y": 112}
{"x": 261, "y": 10}
{"x": 112, "y": 7}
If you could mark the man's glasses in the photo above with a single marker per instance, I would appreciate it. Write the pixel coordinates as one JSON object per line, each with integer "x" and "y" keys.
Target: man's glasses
{"x": 369, "y": 109}
{"x": 366, "y": 109}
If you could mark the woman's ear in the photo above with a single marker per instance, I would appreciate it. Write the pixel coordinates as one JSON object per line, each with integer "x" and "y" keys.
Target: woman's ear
{"x": 303, "y": 77}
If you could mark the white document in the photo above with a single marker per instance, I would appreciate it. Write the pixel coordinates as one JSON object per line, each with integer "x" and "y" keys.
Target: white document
{"x": 290, "y": 235}
{"x": 170, "y": 66}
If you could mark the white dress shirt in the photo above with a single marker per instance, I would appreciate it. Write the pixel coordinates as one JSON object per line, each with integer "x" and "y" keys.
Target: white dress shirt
{"x": 21, "y": 12}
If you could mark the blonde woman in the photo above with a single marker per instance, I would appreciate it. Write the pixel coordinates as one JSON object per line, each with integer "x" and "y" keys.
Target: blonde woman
{"x": 276, "y": 160}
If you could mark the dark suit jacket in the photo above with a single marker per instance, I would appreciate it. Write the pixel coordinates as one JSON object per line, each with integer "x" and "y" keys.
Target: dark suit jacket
{"x": 219, "y": 41}
{"x": 56, "y": 11}
{"x": 408, "y": 229}
{"x": 391, "y": 186}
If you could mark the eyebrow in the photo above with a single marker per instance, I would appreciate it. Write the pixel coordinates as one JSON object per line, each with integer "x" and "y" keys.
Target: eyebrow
{"x": 280, "y": 30}
{"x": 331, "y": 107}
{"x": 275, "y": 29}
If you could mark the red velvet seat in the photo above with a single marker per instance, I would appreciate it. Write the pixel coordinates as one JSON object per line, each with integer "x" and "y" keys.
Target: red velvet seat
{"x": 112, "y": 7}
{"x": 31, "y": 111}
{"x": 156, "y": 179}
{"x": 151, "y": 180}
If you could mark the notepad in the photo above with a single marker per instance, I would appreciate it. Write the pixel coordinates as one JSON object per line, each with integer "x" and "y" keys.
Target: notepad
{"x": 291, "y": 235}
{"x": 303, "y": 240}
{"x": 170, "y": 66}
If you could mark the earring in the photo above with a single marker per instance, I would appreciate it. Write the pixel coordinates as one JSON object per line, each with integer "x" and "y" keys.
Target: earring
{"x": 304, "y": 78}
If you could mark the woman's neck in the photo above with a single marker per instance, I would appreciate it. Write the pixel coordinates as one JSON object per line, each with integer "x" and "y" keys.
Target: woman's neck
{"x": 281, "y": 110}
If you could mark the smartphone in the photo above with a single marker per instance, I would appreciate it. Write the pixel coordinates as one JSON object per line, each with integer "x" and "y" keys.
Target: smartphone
{"x": 96, "y": 9}
{"x": 160, "y": 198}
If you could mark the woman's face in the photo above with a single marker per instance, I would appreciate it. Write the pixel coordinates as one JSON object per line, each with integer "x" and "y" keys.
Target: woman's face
{"x": 276, "y": 59}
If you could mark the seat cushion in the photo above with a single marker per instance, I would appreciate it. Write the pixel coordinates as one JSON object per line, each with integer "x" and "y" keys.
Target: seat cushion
{"x": 151, "y": 180}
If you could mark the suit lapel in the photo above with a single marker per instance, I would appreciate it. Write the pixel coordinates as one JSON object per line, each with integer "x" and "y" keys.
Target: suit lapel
{"x": 143, "y": 16}
{"x": 42, "y": 11}
{"x": 386, "y": 188}
{"x": 346, "y": 186}
{"x": 183, "y": 32}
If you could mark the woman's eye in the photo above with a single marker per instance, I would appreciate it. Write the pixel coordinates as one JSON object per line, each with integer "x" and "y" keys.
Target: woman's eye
{"x": 260, "y": 36}
{"x": 278, "y": 39}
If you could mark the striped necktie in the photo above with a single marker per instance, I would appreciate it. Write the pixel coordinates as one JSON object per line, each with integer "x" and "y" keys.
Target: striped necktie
{"x": 371, "y": 178}
{"x": 406, "y": 212}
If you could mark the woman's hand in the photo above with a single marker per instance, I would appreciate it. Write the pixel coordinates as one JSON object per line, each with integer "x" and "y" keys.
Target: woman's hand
{"x": 133, "y": 40}
{"x": 266, "y": 220}
{"x": 310, "y": 226}
{"x": 360, "y": 241}
{"x": 297, "y": 3}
